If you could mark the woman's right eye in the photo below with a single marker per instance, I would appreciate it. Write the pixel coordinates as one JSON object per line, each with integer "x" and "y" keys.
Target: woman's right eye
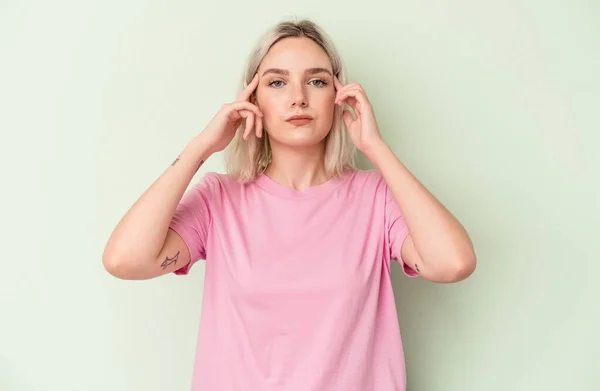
{"x": 272, "y": 84}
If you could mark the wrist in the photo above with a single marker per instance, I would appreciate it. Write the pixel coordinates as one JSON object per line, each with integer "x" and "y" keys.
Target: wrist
{"x": 198, "y": 150}
{"x": 376, "y": 152}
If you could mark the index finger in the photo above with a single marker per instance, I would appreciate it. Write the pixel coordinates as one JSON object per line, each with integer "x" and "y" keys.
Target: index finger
{"x": 336, "y": 82}
{"x": 246, "y": 92}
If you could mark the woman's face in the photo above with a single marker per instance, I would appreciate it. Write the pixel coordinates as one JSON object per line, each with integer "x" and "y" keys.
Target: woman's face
{"x": 295, "y": 78}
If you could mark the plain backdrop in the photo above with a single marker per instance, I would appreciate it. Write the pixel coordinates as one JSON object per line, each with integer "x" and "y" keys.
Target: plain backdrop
{"x": 494, "y": 105}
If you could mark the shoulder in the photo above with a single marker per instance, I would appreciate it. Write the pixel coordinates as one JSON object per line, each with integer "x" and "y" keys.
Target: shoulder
{"x": 370, "y": 184}
{"x": 217, "y": 180}
{"x": 369, "y": 178}
{"x": 367, "y": 174}
{"x": 214, "y": 185}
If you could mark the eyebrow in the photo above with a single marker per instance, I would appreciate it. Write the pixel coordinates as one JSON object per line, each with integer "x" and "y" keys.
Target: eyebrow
{"x": 310, "y": 71}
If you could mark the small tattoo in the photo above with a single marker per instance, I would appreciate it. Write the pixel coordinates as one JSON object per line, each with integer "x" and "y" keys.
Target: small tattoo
{"x": 175, "y": 162}
{"x": 169, "y": 261}
{"x": 199, "y": 165}
{"x": 417, "y": 267}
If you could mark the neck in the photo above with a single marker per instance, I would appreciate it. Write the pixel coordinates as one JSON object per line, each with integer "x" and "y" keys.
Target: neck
{"x": 297, "y": 168}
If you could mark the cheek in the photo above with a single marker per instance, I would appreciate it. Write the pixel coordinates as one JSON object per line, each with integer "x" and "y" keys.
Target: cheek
{"x": 326, "y": 99}
{"x": 326, "y": 104}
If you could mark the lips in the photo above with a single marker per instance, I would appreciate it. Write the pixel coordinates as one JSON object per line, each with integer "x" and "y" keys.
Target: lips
{"x": 299, "y": 117}
{"x": 299, "y": 120}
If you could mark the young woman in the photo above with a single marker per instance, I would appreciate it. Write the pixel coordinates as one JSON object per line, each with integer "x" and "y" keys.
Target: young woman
{"x": 297, "y": 241}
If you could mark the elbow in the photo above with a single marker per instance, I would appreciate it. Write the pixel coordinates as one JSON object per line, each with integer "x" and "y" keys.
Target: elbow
{"x": 116, "y": 266}
{"x": 454, "y": 269}
{"x": 462, "y": 267}
{"x": 112, "y": 265}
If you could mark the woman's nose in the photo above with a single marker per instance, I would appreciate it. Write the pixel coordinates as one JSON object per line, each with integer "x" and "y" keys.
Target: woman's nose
{"x": 299, "y": 98}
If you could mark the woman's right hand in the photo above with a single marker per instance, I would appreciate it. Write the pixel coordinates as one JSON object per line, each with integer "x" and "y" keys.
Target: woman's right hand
{"x": 221, "y": 129}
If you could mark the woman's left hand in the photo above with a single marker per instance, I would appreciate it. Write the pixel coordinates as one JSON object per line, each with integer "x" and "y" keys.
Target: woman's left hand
{"x": 363, "y": 130}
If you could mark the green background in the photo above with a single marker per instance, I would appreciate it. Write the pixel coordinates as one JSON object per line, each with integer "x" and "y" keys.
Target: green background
{"x": 492, "y": 104}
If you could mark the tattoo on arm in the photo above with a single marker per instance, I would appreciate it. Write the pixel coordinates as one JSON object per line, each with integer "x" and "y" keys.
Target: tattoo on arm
{"x": 170, "y": 261}
{"x": 179, "y": 158}
{"x": 417, "y": 267}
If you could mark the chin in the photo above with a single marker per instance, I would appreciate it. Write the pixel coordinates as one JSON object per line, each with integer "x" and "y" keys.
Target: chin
{"x": 299, "y": 137}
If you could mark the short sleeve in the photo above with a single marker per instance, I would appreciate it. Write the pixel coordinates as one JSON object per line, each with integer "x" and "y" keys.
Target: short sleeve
{"x": 192, "y": 219}
{"x": 397, "y": 232}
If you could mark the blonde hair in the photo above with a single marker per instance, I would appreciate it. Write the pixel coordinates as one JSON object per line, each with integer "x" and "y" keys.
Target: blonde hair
{"x": 247, "y": 159}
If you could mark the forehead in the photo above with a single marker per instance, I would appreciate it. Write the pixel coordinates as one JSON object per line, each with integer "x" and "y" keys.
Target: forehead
{"x": 296, "y": 54}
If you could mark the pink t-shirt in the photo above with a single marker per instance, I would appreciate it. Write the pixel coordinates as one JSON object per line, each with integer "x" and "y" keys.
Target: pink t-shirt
{"x": 297, "y": 292}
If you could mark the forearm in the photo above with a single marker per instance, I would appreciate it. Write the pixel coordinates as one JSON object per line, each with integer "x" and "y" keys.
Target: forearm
{"x": 141, "y": 233}
{"x": 439, "y": 238}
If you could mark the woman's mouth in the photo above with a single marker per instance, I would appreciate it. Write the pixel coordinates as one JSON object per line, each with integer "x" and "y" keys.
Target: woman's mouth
{"x": 299, "y": 120}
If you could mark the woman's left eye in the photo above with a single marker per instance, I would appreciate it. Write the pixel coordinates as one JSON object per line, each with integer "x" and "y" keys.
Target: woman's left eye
{"x": 321, "y": 83}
